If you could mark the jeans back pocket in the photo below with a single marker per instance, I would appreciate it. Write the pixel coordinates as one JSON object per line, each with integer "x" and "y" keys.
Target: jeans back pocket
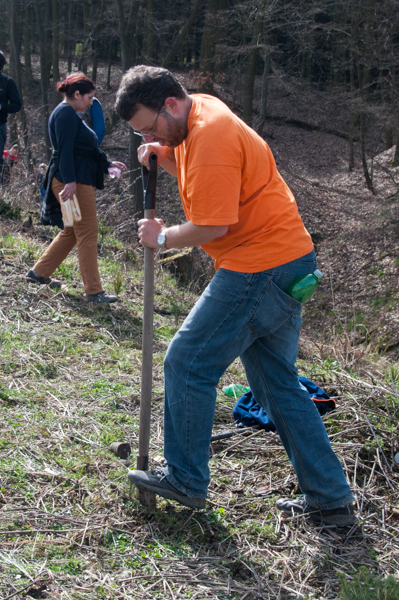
{"x": 273, "y": 309}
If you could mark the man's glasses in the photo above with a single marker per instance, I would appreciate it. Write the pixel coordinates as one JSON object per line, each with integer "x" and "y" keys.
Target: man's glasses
{"x": 151, "y": 134}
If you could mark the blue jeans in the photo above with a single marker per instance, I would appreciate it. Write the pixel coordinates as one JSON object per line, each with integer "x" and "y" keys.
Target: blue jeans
{"x": 247, "y": 315}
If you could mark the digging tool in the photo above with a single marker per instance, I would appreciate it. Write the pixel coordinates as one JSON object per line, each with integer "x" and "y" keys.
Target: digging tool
{"x": 228, "y": 434}
{"x": 149, "y": 177}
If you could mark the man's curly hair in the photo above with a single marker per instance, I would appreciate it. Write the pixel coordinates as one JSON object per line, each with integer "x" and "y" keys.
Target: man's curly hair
{"x": 146, "y": 86}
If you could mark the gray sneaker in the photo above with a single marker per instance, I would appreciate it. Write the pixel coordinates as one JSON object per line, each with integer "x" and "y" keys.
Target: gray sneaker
{"x": 102, "y": 297}
{"x": 34, "y": 277}
{"x": 155, "y": 481}
{"x": 341, "y": 517}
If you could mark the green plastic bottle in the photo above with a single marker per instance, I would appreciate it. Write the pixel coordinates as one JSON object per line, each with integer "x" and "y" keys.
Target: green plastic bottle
{"x": 304, "y": 287}
{"x": 235, "y": 390}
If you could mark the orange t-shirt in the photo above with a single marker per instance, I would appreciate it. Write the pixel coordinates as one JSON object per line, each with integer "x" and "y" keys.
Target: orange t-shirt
{"x": 227, "y": 176}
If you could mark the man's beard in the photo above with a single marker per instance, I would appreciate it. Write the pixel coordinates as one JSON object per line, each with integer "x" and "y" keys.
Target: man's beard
{"x": 177, "y": 131}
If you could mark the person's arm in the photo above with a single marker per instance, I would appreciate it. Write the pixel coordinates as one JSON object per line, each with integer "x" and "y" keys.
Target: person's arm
{"x": 13, "y": 103}
{"x": 166, "y": 157}
{"x": 97, "y": 120}
{"x": 178, "y": 236}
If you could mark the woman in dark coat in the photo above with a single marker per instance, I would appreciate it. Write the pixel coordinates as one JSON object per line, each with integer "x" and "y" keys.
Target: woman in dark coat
{"x": 77, "y": 167}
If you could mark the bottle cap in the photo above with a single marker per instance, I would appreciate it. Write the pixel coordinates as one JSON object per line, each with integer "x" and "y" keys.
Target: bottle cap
{"x": 318, "y": 274}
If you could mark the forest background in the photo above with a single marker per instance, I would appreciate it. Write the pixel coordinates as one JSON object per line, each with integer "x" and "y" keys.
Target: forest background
{"x": 348, "y": 48}
{"x": 319, "y": 81}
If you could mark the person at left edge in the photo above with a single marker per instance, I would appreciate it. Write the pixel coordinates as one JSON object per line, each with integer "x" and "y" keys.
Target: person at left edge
{"x": 77, "y": 166}
{"x": 10, "y": 102}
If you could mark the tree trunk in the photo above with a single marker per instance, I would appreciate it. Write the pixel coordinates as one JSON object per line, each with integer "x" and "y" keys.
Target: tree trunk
{"x": 395, "y": 162}
{"x": 353, "y": 114}
{"x": 42, "y": 26}
{"x": 249, "y": 86}
{"x": 352, "y": 69}
{"x": 82, "y": 63}
{"x": 150, "y": 37}
{"x": 364, "y": 84}
{"x": 237, "y": 83}
{"x": 388, "y": 137}
{"x": 15, "y": 62}
{"x": 70, "y": 46}
{"x": 210, "y": 37}
{"x": 27, "y": 43}
{"x": 127, "y": 34}
{"x": 181, "y": 37}
{"x": 15, "y": 66}
{"x": 128, "y": 56}
{"x": 251, "y": 72}
{"x": 351, "y": 142}
{"x": 95, "y": 62}
{"x": 17, "y": 73}
{"x": 208, "y": 47}
{"x": 265, "y": 85}
{"x": 55, "y": 51}
{"x": 95, "y": 35}
{"x": 109, "y": 64}
{"x": 369, "y": 181}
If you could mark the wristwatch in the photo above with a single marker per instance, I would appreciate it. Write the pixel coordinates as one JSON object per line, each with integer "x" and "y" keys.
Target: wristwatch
{"x": 161, "y": 239}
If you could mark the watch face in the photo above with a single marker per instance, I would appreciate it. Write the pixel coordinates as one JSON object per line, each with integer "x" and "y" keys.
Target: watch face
{"x": 161, "y": 239}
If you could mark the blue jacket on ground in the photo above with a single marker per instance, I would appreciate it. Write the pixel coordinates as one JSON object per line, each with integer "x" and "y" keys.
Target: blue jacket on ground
{"x": 248, "y": 413}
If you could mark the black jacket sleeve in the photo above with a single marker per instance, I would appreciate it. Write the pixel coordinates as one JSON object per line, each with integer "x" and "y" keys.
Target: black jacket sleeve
{"x": 13, "y": 102}
{"x": 66, "y": 126}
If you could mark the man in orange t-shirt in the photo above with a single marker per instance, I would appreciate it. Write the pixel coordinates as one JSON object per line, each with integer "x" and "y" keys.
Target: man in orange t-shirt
{"x": 242, "y": 213}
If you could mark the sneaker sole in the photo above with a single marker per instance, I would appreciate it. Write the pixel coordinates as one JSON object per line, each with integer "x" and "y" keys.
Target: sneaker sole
{"x": 53, "y": 284}
{"x": 317, "y": 518}
{"x": 102, "y": 301}
{"x": 337, "y": 520}
{"x": 169, "y": 494}
{"x": 31, "y": 280}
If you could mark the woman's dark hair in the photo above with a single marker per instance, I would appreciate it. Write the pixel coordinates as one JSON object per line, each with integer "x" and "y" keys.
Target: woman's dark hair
{"x": 146, "y": 86}
{"x": 2, "y": 60}
{"x": 76, "y": 82}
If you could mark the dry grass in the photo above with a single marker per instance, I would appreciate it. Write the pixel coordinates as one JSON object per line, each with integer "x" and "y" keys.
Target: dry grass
{"x": 70, "y": 526}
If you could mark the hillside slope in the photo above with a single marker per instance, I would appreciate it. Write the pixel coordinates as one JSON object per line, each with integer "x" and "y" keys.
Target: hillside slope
{"x": 71, "y": 526}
